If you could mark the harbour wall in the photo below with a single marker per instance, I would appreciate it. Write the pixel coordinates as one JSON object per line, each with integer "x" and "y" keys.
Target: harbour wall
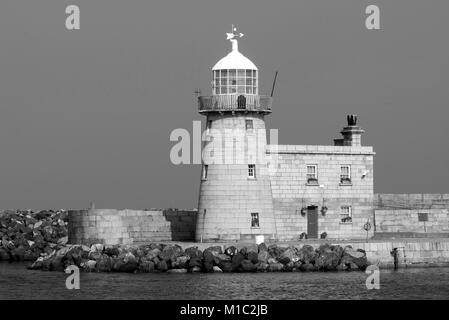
{"x": 112, "y": 226}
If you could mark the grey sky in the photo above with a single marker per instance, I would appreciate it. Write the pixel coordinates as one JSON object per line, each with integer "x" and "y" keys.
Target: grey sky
{"x": 86, "y": 115}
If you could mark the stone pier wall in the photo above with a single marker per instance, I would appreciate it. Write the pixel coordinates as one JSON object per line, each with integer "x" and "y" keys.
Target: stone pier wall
{"x": 111, "y": 226}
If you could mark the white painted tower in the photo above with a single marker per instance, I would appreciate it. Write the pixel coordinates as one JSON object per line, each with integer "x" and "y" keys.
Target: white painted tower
{"x": 235, "y": 200}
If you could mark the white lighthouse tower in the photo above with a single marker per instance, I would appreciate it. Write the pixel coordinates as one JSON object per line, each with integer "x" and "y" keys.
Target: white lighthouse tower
{"x": 235, "y": 201}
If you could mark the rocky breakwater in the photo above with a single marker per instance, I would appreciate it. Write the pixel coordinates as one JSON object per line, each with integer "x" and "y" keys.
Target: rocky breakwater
{"x": 175, "y": 259}
{"x": 27, "y": 235}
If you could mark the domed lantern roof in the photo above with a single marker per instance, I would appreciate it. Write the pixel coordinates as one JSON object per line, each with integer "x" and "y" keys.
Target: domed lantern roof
{"x": 234, "y": 59}
{"x": 235, "y": 74}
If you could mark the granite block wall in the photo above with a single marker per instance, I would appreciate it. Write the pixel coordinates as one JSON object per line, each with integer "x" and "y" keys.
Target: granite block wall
{"x": 111, "y": 226}
{"x": 408, "y": 221}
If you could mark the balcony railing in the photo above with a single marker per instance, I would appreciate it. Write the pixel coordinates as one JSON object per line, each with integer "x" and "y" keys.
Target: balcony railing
{"x": 222, "y": 103}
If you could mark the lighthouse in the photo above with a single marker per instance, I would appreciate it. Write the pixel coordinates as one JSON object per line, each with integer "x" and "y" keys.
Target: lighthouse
{"x": 235, "y": 198}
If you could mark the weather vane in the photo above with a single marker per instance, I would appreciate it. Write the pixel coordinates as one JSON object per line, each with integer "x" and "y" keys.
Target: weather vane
{"x": 232, "y": 37}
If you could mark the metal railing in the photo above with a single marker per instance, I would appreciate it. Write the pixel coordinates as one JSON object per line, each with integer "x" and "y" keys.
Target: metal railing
{"x": 235, "y": 103}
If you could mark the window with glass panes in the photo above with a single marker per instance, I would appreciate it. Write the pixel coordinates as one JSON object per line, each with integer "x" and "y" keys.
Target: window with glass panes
{"x": 235, "y": 81}
{"x": 345, "y": 173}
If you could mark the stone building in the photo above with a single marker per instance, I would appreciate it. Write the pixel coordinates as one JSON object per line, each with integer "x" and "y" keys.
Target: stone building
{"x": 282, "y": 192}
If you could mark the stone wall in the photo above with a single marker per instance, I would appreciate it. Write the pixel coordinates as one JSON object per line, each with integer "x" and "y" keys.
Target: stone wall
{"x": 393, "y": 201}
{"x": 398, "y": 213}
{"x": 408, "y": 221}
{"x": 291, "y": 192}
{"x": 111, "y": 226}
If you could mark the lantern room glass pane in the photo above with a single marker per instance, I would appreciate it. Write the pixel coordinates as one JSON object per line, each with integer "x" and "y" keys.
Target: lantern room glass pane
{"x": 249, "y": 73}
{"x": 241, "y": 73}
{"x": 224, "y": 73}
{"x": 232, "y": 89}
{"x": 224, "y": 81}
{"x": 224, "y": 90}
{"x": 232, "y": 72}
{"x": 241, "y": 89}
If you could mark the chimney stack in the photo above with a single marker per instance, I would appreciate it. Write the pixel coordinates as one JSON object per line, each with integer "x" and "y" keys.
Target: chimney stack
{"x": 352, "y": 134}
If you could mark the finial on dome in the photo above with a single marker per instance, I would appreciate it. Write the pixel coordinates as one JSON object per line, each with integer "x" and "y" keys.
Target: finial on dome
{"x": 232, "y": 37}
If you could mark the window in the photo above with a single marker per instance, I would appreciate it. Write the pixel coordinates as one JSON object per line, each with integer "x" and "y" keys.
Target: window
{"x": 252, "y": 171}
{"x": 241, "y": 81}
{"x": 346, "y": 214}
{"x": 208, "y": 126}
{"x": 312, "y": 174}
{"x": 205, "y": 168}
{"x": 254, "y": 220}
{"x": 345, "y": 174}
{"x": 249, "y": 125}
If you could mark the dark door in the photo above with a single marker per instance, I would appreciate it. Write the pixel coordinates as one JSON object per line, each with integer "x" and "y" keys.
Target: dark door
{"x": 241, "y": 102}
{"x": 312, "y": 222}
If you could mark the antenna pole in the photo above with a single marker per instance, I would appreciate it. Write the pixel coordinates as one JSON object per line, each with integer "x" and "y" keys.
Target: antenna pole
{"x": 274, "y": 83}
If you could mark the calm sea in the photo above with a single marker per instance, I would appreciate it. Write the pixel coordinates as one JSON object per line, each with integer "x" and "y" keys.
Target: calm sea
{"x": 16, "y": 282}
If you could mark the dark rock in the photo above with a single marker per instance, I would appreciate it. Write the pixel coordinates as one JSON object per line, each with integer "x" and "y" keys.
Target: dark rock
{"x": 208, "y": 266}
{"x": 195, "y": 262}
{"x": 170, "y": 253}
{"x": 307, "y": 267}
{"x": 275, "y": 267}
{"x": 162, "y": 266}
{"x": 181, "y": 262}
{"x": 215, "y": 250}
{"x": 146, "y": 266}
{"x": 327, "y": 261}
{"x": 208, "y": 257}
{"x": 112, "y": 251}
{"x": 262, "y": 247}
{"x": 288, "y": 256}
{"x": 253, "y": 257}
{"x": 104, "y": 263}
{"x": 226, "y": 266}
{"x": 248, "y": 266}
{"x": 356, "y": 257}
{"x": 193, "y": 252}
{"x": 307, "y": 254}
{"x": 236, "y": 261}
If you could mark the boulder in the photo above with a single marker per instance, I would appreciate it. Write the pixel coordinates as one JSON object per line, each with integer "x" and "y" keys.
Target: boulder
{"x": 288, "y": 256}
{"x": 236, "y": 261}
{"x": 262, "y": 247}
{"x": 146, "y": 266}
{"x": 112, "y": 251}
{"x": 307, "y": 267}
{"x": 195, "y": 270}
{"x": 226, "y": 266}
{"x": 275, "y": 267}
{"x": 248, "y": 266}
{"x": 162, "y": 266}
{"x": 231, "y": 251}
{"x": 104, "y": 263}
{"x": 170, "y": 253}
{"x": 272, "y": 261}
{"x": 262, "y": 267}
{"x": 181, "y": 262}
{"x": 208, "y": 266}
{"x": 253, "y": 257}
{"x": 215, "y": 250}
{"x": 263, "y": 256}
{"x": 355, "y": 257}
{"x": 327, "y": 261}
{"x": 195, "y": 262}
{"x": 177, "y": 271}
{"x": 89, "y": 265}
{"x": 193, "y": 252}
{"x": 307, "y": 254}
{"x": 217, "y": 269}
